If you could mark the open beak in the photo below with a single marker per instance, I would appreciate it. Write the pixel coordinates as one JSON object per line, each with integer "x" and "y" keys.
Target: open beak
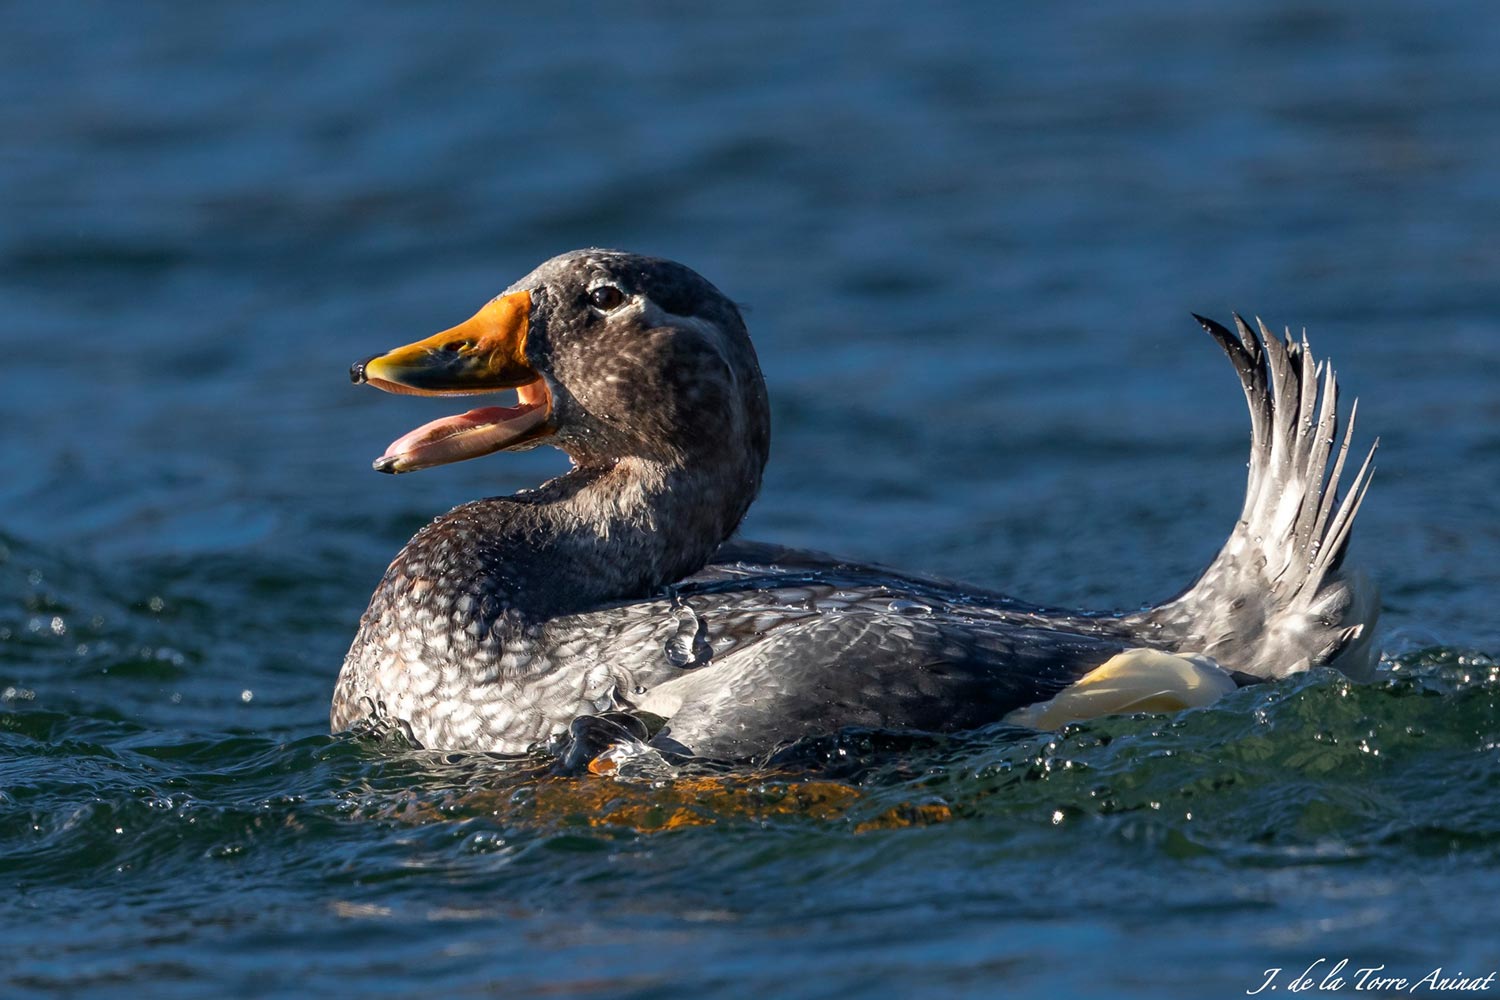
{"x": 486, "y": 353}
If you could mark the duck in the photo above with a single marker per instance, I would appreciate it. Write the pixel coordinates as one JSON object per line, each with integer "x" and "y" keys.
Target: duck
{"x": 616, "y": 599}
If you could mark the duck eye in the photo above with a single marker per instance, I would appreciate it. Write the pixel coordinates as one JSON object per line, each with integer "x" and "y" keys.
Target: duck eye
{"x": 606, "y": 297}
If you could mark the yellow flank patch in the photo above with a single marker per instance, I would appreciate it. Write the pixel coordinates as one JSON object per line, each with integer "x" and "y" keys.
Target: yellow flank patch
{"x": 1137, "y": 680}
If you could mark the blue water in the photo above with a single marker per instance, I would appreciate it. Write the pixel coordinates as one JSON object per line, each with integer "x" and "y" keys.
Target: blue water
{"x": 968, "y": 237}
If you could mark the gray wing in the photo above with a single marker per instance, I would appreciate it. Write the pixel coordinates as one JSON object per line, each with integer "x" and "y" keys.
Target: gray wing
{"x": 869, "y": 670}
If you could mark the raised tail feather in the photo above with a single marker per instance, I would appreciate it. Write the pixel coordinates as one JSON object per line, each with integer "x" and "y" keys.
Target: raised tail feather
{"x": 1277, "y": 600}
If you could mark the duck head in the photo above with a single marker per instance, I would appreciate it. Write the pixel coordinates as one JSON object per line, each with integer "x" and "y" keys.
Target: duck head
{"x": 611, "y": 355}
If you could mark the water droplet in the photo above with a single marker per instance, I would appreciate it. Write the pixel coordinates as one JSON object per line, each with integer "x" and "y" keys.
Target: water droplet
{"x": 58, "y": 626}
{"x": 246, "y": 695}
{"x": 905, "y": 607}
{"x": 156, "y": 604}
{"x": 688, "y": 646}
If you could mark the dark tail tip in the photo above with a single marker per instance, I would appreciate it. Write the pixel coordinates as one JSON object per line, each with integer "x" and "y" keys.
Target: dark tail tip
{"x": 1218, "y": 330}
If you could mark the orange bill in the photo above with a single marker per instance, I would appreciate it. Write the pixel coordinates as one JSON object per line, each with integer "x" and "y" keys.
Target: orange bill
{"x": 486, "y": 353}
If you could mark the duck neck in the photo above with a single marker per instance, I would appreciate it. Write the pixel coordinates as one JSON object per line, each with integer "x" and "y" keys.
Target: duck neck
{"x": 629, "y": 528}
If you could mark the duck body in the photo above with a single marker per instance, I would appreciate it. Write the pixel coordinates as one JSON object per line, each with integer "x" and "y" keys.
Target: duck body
{"x": 614, "y": 589}
{"x": 762, "y": 646}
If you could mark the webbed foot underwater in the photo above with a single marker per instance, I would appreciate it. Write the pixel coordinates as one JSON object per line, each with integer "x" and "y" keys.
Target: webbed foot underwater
{"x": 613, "y": 590}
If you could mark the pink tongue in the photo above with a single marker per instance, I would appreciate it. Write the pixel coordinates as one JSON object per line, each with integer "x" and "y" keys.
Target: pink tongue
{"x": 467, "y": 435}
